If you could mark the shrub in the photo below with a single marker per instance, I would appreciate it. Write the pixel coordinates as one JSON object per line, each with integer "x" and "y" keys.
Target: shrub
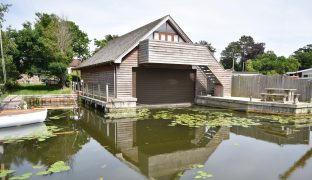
{"x": 10, "y": 85}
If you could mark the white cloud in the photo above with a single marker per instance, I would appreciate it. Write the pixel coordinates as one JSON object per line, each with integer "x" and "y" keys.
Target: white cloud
{"x": 284, "y": 25}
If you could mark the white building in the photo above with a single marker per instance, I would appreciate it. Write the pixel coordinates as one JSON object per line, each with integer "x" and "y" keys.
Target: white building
{"x": 302, "y": 74}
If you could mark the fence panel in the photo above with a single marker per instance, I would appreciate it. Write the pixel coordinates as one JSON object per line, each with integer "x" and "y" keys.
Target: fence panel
{"x": 246, "y": 86}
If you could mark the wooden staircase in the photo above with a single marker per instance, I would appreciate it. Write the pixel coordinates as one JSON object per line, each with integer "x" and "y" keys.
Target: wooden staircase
{"x": 217, "y": 75}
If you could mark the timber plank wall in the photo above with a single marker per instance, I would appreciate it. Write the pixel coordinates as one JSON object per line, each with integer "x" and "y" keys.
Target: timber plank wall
{"x": 124, "y": 74}
{"x": 246, "y": 86}
{"x": 153, "y": 51}
{"x": 99, "y": 75}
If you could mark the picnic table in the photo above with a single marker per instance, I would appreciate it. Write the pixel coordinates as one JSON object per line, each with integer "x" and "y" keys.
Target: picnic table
{"x": 287, "y": 95}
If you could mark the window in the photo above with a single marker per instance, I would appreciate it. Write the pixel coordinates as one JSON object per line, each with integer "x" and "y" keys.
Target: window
{"x": 176, "y": 38}
{"x": 156, "y": 35}
{"x": 164, "y": 36}
{"x": 166, "y": 33}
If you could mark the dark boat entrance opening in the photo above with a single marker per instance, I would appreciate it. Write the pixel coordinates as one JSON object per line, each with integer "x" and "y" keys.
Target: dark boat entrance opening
{"x": 163, "y": 86}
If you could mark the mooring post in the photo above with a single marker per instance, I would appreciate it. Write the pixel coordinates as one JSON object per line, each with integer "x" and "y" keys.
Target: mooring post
{"x": 250, "y": 98}
{"x": 106, "y": 92}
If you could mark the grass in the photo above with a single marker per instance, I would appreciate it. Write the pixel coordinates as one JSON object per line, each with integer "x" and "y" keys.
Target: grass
{"x": 39, "y": 89}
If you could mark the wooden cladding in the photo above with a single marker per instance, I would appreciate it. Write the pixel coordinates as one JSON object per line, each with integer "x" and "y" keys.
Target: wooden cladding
{"x": 124, "y": 74}
{"x": 152, "y": 51}
{"x": 97, "y": 77}
{"x": 157, "y": 86}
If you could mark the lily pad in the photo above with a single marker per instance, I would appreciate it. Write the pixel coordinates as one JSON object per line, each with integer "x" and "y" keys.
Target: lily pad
{"x": 59, "y": 166}
{"x": 43, "y": 173}
{"x": 4, "y": 172}
{"x": 38, "y": 167}
{"x": 23, "y": 176}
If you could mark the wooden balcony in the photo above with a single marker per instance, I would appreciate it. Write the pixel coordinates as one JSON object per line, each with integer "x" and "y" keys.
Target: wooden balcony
{"x": 164, "y": 52}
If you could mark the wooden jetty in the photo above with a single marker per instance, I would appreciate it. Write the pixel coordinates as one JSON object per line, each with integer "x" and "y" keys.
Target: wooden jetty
{"x": 255, "y": 105}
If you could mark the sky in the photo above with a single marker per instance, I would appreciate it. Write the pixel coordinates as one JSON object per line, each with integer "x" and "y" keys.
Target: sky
{"x": 284, "y": 25}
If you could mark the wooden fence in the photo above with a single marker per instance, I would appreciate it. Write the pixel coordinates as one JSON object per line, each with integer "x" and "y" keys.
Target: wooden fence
{"x": 246, "y": 86}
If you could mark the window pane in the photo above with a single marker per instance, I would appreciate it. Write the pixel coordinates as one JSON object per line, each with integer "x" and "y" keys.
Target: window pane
{"x": 156, "y": 36}
{"x": 176, "y": 38}
{"x": 163, "y": 37}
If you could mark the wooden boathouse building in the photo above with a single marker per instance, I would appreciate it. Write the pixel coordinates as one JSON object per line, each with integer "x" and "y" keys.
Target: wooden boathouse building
{"x": 154, "y": 64}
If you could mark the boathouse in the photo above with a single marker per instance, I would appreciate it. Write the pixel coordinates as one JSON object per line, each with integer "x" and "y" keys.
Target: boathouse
{"x": 154, "y": 64}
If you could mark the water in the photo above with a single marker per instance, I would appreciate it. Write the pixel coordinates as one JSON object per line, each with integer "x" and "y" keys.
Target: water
{"x": 96, "y": 147}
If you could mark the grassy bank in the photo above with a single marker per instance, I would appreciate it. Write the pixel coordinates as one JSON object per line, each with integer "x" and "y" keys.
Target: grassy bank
{"x": 39, "y": 89}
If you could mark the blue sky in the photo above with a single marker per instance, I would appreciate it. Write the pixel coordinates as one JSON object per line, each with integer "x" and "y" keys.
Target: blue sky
{"x": 284, "y": 25}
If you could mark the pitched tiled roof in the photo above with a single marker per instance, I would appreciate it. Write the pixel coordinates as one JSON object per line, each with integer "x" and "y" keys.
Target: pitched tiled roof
{"x": 75, "y": 63}
{"x": 120, "y": 45}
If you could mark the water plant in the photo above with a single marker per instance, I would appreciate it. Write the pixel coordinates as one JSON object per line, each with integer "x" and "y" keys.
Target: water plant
{"x": 140, "y": 113}
{"x": 4, "y": 172}
{"x": 206, "y": 118}
{"x": 40, "y": 135}
{"x": 202, "y": 175}
{"x": 56, "y": 167}
{"x": 23, "y": 176}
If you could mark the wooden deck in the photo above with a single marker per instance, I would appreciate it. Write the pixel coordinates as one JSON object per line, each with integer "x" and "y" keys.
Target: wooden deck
{"x": 254, "y": 105}
{"x": 93, "y": 101}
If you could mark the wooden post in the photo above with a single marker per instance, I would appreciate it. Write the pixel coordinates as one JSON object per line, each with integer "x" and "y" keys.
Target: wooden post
{"x": 106, "y": 92}
{"x": 93, "y": 90}
{"x": 99, "y": 91}
{"x": 87, "y": 89}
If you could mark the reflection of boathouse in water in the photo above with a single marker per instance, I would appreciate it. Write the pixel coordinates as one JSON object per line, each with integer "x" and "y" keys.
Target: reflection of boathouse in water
{"x": 140, "y": 144}
{"x": 278, "y": 134}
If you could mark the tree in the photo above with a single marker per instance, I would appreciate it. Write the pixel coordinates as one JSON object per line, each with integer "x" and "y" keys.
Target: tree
{"x": 304, "y": 55}
{"x": 230, "y": 56}
{"x": 208, "y": 45}
{"x": 101, "y": 43}
{"x": 8, "y": 49}
{"x": 269, "y": 63}
{"x": 49, "y": 40}
{"x": 59, "y": 70}
{"x": 240, "y": 51}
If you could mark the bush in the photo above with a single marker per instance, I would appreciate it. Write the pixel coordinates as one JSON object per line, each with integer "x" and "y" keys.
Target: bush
{"x": 10, "y": 86}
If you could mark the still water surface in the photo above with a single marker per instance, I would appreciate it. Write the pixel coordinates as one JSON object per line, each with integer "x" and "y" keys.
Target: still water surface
{"x": 96, "y": 147}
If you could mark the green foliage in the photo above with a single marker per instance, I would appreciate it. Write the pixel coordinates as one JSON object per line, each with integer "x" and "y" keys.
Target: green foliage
{"x": 59, "y": 70}
{"x": 40, "y": 45}
{"x": 4, "y": 172}
{"x": 229, "y": 54}
{"x": 59, "y": 166}
{"x": 10, "y": 51}
{"x": 4, "y": 8}
{"x": 56, "y": 167}
{"x": 30, "y": 89}
{"x": 23, "y": 176}
{"x": 304, "y": 56}
{"x": 269, "y": 63}
{"x": 202, "y": 175}
{"x": 208, "y": 45}
{"x": 240, "y": 51}
{"x": 10, "y": 85}
{"x": 39, "y": 135}
{"x": 103, "y": 42}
